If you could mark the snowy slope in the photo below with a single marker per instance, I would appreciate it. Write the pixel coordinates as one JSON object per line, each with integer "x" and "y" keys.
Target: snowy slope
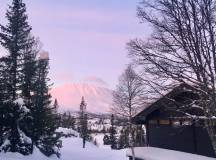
{"x": 72, "y": 150}
{"x": 98, "y": 99}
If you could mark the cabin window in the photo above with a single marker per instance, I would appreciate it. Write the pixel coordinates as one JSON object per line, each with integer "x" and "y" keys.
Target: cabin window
{"x": 186, "y": 123}
{"x": 164, "y": 122}
{"x": 176, "y": 123}
{"x": 153, "y": 122}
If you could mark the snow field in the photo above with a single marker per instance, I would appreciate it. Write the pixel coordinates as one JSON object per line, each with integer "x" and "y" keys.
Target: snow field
{"x": 72, "y": 150}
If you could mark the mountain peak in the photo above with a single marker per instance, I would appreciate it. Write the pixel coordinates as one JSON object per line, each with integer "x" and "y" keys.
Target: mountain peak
{"x": 98, "y": 99}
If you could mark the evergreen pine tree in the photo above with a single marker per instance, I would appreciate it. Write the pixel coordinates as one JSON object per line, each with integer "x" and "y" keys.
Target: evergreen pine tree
{"x": 4, "y": 78}
{"x": 45, "y": 118}
{"x": 56, "y": 105}
{"x": 82, "y": 112}
{"x": 26, "y": 117}
{"x": 28, "y": 71}
{"x": 14, "y": 37}
{"x": 8, "y": 116}
{"x": 55, "y": 111}
{"x": 83, "y": 122}
{"x": 86, "y": 131}
{"x": 113, "y": 139}
{"x": 3, "y": 98}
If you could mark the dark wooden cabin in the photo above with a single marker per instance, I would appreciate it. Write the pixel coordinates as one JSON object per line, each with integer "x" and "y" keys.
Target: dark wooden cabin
{"x": 171, "y": 129}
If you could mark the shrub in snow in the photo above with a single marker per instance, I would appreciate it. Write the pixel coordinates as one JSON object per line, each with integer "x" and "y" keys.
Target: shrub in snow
{"x": 106, "y": 140}
{"x": 48, "y": 146}
{"x": 66, "y": 132}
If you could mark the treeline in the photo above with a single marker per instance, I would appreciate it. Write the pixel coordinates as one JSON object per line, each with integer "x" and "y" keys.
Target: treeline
{"x": 27, "y": 117}
{"x": 68, "y": 121}
{"x": 123, "y": 139}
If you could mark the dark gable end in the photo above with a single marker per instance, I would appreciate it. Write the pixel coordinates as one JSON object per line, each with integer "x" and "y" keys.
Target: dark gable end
{"x": 169, "y": 103}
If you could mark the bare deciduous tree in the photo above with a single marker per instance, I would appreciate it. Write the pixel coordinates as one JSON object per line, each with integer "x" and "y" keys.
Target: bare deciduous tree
{"x": 181, "y": 49}
{"x": 128, "y": 99}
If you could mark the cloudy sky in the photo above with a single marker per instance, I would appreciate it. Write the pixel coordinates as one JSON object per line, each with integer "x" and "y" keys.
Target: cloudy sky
{"x": 85, "y": 38}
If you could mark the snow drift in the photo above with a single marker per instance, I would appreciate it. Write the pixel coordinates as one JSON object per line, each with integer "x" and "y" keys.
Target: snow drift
{"x": 151, "y": 153}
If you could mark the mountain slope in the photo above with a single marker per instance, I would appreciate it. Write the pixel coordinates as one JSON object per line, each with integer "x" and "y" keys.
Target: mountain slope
{"x": 98, "y": 99}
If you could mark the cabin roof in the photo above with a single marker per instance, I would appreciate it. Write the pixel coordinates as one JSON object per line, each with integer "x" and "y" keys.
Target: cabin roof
{"x": 141, "y": 116}
{"x": 162, "y": 154}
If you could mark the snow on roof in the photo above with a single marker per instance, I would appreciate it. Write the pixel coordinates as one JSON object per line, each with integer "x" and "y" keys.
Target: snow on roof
{"x": 151, "y": 153}
{"x": 166, "y": 94}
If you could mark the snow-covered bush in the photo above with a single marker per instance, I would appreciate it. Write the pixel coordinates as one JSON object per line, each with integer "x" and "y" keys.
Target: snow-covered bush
{"x": 66, "y": 132}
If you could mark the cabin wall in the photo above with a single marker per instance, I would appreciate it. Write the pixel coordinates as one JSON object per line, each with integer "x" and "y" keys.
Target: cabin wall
{"x": 184, "y": 138}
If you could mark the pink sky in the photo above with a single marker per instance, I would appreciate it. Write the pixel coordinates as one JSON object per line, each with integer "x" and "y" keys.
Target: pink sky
{"x": 86, "y": 40}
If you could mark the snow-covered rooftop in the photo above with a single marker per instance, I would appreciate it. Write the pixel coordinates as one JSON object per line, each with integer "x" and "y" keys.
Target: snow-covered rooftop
{"x": 151, "y": 153}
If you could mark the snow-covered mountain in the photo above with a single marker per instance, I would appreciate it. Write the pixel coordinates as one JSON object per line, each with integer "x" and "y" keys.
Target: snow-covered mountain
{"x": 98, "y": 99}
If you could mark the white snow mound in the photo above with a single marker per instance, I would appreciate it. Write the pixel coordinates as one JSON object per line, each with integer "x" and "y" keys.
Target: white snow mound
{"x": 151, "y": 153}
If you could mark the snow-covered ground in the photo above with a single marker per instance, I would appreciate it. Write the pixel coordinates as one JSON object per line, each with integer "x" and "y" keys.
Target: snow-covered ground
{"x": 151, "y": 153}
{"x": 91, "y": 152}
{"x": 72, "y": 150}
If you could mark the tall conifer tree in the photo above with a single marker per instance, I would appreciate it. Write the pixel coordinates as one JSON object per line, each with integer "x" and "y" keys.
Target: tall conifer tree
{"x": 45, "y": 118}
{"x": 15, "y": 38}
{"x": 27, "y": 117}
{"x": 82, "y": 113}
{"x": 28, "y": 71}
{"x": 83, "y": 122}
{"x": 113, "y": 139}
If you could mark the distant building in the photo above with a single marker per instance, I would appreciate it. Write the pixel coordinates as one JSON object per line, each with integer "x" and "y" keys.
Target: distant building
{"x": 168, "y": 128}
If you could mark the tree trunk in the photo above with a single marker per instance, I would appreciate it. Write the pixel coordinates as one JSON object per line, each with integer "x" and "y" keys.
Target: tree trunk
{"x": 132, "y": 142}
{"x": 133, "y": 153}
{"x": 84, "y": 141}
